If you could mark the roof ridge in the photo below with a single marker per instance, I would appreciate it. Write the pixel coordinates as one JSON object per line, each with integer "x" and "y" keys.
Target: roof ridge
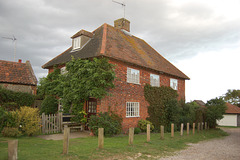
{"x": 104, "y": 39}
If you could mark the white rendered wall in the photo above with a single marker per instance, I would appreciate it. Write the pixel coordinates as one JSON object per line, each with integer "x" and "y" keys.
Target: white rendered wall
{"x": 228, "y": 120}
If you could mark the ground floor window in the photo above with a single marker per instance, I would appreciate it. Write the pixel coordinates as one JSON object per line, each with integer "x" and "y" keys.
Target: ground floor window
{"x": 132, "y": 109}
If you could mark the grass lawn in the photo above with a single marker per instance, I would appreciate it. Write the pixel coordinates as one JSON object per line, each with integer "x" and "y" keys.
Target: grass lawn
{"x": 30, "y": 148}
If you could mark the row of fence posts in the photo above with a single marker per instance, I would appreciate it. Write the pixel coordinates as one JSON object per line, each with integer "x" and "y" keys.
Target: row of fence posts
{"x": 13, "y": 144}
{"x": 131, "y": 134}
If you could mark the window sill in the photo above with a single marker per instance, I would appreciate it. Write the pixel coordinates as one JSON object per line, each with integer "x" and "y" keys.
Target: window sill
{"x": 133, "y": 117}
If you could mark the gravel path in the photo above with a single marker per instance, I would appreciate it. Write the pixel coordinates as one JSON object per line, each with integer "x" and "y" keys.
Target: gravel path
{"x": 227, "y": 148}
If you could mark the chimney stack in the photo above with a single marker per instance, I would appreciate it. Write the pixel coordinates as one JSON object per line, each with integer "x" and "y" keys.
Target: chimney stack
{"x": 19, "y": 61}
{"x": 122, "y": 23}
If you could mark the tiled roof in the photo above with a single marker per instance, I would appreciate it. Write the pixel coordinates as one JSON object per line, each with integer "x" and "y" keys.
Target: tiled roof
{"x": 114, "y": 43}
{"x": 200, "y": 103}
{"x": 232, "y": 108}
{"x": 17, "y": 73}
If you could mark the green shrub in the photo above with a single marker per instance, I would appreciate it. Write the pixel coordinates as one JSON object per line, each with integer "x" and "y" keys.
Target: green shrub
{"x": 21, "y": 99}
{"x": 3, "y": 118}
{"x": 49, "y": 105}
{"x": 137, "y": 130}
{"x": 109, "y": 121}
{"x": 10, "y": 106}
{"x": 11, "y": 132}
{"x": 142, "y": 124}
{"x": 27, "y": 120}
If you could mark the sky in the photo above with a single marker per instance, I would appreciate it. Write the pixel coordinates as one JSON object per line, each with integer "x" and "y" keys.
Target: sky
{"x": 200, "y": 37}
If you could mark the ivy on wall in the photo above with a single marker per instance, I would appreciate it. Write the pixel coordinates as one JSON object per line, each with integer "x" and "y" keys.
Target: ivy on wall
{"x": 163, "y": 105}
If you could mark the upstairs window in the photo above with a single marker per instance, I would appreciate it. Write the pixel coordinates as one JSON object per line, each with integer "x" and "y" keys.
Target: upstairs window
{"x": 133, "y": 76}
{"x": 154, "y": 80}
{"x": 76, "y": 42}
{"x": 174, "y": 83}
{"x": 63, "y": 70}
{"x": 132, "y": 109}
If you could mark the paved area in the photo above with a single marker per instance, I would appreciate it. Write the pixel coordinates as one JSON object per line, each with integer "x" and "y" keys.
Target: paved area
{"x": 60, "y": 136}
{"x": 227, "y": 148}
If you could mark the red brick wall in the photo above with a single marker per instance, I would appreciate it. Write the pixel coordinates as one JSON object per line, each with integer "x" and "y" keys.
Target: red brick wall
{"x": 128, "y": 92}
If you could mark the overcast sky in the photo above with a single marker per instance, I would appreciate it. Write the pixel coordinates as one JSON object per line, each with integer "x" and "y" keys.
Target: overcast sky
{"x": 200, "y": 37}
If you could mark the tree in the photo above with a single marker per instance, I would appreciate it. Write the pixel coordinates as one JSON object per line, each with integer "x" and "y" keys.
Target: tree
{"x": 215, "y": 110}
{"x": 85, "y": 79}
{"x": 233, "y": 97}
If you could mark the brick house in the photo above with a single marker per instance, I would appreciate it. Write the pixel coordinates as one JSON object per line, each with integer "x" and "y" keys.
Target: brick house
{"x": 136, "y": 64}
{"x": 18, "y": 76}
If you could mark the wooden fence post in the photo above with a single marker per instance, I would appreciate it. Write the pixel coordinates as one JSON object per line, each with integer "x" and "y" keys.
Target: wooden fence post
{"x": 66, "y": 139}
{"x": 205, "y": 125}
{"x": 12, "y": 149}
{"x": 100, "y": 137}
{"x": 148, "y": 132}
{"x": 187, "y": 128}
{"x": 43, "y": 123}
{"x": 172, "y": 130}
{"x": 202, "y": 125}
{"x": 131, "y": 136}
{"x": 181, "y": 131}
{"x": 162, "y": 132}
{"x": 198, "y": 128}
{"x": 193, "y": 130}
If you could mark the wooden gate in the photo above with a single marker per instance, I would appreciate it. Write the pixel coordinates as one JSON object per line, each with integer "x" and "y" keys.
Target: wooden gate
{"x": 51, "y": 123}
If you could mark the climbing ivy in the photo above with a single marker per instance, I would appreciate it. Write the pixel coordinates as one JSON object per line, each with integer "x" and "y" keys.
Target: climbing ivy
{"x": 163, "y": 105}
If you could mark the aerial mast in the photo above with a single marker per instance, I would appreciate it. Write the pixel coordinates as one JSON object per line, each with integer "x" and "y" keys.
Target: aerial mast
{"x": 14, "y": 40}
{"x": 123, "y": 5}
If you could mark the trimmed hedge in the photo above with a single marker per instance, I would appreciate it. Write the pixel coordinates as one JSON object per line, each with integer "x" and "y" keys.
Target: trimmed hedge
{"x": 20, "y": 98}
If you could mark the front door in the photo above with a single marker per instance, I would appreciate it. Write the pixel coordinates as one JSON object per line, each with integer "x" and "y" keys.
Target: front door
{"x": 91, "y": 107}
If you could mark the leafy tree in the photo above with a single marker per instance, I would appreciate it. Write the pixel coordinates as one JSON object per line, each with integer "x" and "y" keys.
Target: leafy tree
{"x": 233, "y": 97}
{"x": 215, "y": 110}
{"x": 50, "y": 85}
{"x": 49, "y": 105}
{"x": 86, "y": 78}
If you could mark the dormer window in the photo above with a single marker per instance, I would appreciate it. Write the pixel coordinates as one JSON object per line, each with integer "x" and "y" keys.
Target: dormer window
{"x": 77, "y": 43}
{"x": 80, "y": 39}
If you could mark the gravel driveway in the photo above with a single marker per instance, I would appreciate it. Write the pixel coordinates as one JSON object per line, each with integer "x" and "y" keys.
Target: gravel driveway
{"x": 227, "y": 148}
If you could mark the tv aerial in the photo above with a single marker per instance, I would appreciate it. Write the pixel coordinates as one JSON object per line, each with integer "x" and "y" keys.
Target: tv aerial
{"x": 123, "y": 5}
{"x": 14, "y": 40}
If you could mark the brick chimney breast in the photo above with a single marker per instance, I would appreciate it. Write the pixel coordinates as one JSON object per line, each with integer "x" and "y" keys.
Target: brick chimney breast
{"x": 122, "y": 23}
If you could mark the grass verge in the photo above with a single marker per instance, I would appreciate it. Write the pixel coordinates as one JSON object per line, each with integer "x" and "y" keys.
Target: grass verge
{"x": 114, "y": 147}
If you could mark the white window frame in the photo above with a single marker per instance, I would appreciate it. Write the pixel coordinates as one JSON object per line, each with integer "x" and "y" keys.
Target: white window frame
{"x": 133, "y": 76}
{"x": 132, "y": 109}
{"x": 155, "y": 80}
{"x": 63, "y": 70}
{"x": 174, "y": 84}
{"x": 77, "y": 43}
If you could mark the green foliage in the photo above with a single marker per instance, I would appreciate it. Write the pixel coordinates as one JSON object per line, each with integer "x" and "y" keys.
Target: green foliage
{"x": 3, "y": 118}
{"x": 111, "y": 123}
{"x": 137, "y": 130}
{"x": 163, "y": 109}
{"x": 87, "y": 78}
{"x": 80, "y": 114}
{"x": 49, "y": 105}
{"x": 10, "y": 106}
{"x": 20, "y": 98}
{"x": 190, "y": 113}
{"x": 233, "y": 97}
{"x": 215, "y": 110}
{"x": 11, "y": 132}
{"x": 142, "y": 124}
{"x": 50, "y": 85}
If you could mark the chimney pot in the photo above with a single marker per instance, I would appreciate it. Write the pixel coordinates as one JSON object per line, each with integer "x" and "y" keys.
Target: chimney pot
{"x": 19, "y": 61}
